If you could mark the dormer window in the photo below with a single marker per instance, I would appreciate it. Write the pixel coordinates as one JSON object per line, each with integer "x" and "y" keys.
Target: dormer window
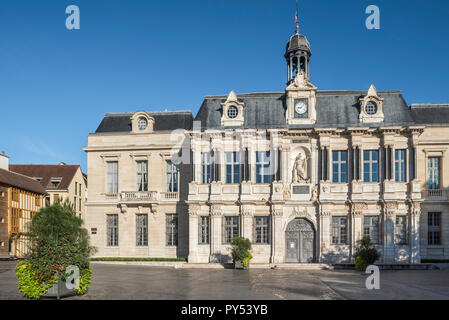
{"x": 232, "y": 112}
{"x": 54, "y": 182}
{"x": 371, "y": 108}
{"x": 142, "y": 124}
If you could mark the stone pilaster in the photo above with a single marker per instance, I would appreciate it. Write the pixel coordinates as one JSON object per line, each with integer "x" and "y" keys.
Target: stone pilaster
{"x": 247, "y": 222}
{"x": 216, "y": 216}
{"x": 277, "y": 236}
{"x": 415, "y": 214}
{"x": 193, "y": 233}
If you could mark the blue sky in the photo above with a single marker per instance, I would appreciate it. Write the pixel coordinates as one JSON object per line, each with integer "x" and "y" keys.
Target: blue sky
{"x": 56, "y": 84}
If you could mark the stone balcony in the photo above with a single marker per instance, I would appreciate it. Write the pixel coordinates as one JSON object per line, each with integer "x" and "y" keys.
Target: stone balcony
{"x": 143, "y": 196}
{"x": 436, "y": 195}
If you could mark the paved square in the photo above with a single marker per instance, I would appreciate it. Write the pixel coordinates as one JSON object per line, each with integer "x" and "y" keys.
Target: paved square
{"x": 143, "y": 282}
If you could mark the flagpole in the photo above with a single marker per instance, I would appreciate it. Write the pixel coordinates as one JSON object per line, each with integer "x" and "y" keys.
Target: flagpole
{"x": 297, "y": 18}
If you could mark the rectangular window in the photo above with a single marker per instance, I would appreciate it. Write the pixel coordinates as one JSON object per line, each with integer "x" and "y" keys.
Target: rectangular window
{"x": 262, "y": 230}
{"x": 205, "y": 168}
{"x": 142, "y": 175}
{"x": 340, "y": 166}
{"x": 263, "y": 167}
{"x": 112, "y": 177}
{"x": 172, "y": 229}
{"x": 339, "y": 230}
{"x": 204, "y": 229}
{"x": 371, "y": 166}
{"x": 371, "y": 228}
{"x": 79, "y": 189}
{"x": 434, "y": 173}
{"x": 142, "y": 230}
{"x": 399, "y": 165}
{"x": 401, "y": 230}
{"x": 112, "y": 230}
{"x": 232, "y": 168}
{"x": 79, "y": 205}
{"x": 55, "y": 198}
{"x": 231, "y": 228}
{"x": 434, "y": 228}
{"x": 172, "y": 177}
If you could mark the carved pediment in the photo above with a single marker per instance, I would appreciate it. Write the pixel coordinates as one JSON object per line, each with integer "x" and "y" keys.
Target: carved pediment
{"x": 301, "y": 82}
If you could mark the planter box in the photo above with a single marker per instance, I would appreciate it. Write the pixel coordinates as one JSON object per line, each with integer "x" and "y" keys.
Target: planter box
{"x": 239, "y": 265}
{"x": 59, "y": 290}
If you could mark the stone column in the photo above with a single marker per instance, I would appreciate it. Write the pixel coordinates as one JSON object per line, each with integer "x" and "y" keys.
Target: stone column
{"x": 193, "y": 233}
{"x": 277, "y": 236}
{"x": 215, "y": 233}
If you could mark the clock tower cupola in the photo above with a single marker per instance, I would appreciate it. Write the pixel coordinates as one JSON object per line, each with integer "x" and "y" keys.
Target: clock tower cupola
{"x": 300, "y": 92}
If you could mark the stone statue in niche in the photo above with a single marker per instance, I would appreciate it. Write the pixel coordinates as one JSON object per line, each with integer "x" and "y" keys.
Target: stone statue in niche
{"x": 300, "y": 169}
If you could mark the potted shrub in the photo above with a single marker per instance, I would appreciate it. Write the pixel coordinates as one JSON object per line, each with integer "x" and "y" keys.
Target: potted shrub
{"x": 366, "y": 254}
{"x": 57, "y": 241}
{"x": 240, "y": 252}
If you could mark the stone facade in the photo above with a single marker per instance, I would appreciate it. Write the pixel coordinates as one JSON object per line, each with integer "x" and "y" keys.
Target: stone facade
{"x": 304, "y": 174}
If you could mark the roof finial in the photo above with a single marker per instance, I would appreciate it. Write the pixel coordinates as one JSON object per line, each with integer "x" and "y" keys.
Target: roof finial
{"x": 296, "y": 18}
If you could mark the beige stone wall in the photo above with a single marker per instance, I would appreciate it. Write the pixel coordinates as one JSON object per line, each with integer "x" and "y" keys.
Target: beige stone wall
{"x": 127, "y": 149}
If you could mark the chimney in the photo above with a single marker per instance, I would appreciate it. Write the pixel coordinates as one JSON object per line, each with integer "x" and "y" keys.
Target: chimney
{"x": 4, "y": 161}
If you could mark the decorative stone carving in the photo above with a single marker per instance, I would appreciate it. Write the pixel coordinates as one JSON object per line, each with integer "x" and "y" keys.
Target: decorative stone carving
{"x": 123, "y": 208}
{"x": 287, "y": 193}
{"x": 314, "y": 196}
{"x": 215, "y": 210}
{"x": 300, "y": 172}
{"x": 246, "y": 211}
{"x": 324, "y": 213}
{"x": 277, "y": 212}
{"x": 358, "y": 208}
{"x": 194, "y": 209}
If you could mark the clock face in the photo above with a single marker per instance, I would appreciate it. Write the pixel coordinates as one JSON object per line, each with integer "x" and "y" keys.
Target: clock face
{"x": 301, "y": 106}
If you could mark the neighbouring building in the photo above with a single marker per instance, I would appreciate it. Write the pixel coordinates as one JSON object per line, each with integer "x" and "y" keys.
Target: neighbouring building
{"x": 304, "y": 174}
{"x": 20, "y": 199}
{"x": 61, "y": 181}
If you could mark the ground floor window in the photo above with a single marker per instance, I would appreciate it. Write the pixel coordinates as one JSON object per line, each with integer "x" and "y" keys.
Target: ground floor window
{"x": 172, "y": 229}
{"x": 112, "y": 230}
{"x": 204, "y": 229}
{"x": 371, "y": 228}
{"x": 434, "y": 228}
{"x": 400, "y": 234}
{"x": 339, "y": 230}
{"x": 231, "y": 228}
{"x": 262, "y": 230}
{"x": 142, "y": 230}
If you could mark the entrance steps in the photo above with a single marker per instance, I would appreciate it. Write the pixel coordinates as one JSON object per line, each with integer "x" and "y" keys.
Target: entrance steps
{"x": 302, "y": 266}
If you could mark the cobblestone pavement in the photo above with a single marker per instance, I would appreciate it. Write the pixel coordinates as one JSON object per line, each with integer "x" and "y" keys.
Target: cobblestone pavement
{"x": 143, "y": 282}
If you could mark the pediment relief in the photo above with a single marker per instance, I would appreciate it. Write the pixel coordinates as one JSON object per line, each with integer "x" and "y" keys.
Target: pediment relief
{"x": 232, "y": 110}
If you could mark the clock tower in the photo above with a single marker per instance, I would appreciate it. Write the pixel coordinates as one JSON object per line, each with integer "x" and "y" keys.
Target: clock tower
{"x": 300, "y": 92}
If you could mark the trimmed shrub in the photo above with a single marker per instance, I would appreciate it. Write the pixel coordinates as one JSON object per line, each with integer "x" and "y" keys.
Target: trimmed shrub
{"x": 139, "y": 259}
{"x": 366, "y": 253}
{"x": 57, "y": 240}
{"x": 240, "y": 250}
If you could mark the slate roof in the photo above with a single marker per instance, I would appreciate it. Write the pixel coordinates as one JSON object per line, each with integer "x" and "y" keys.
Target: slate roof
{"x": 20, "y": 181}
{"x": 47, "y": 172}
{"x": 335, "y": 109}
{"x": 163, "y": 121}
{"x": 431, "y": 114}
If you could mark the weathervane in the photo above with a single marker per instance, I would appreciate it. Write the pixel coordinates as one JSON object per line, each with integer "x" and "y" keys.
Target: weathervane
{"x": 296, "y": 18}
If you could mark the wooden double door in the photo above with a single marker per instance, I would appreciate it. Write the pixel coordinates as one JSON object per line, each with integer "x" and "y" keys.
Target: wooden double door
{"x": 300, "y": 242}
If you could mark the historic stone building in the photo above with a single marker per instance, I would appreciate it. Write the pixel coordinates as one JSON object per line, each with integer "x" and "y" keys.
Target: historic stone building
{"x": 304, "y": 174}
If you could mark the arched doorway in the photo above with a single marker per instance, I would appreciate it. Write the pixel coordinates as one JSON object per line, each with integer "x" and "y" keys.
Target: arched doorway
{"x": 300, "y": 241}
